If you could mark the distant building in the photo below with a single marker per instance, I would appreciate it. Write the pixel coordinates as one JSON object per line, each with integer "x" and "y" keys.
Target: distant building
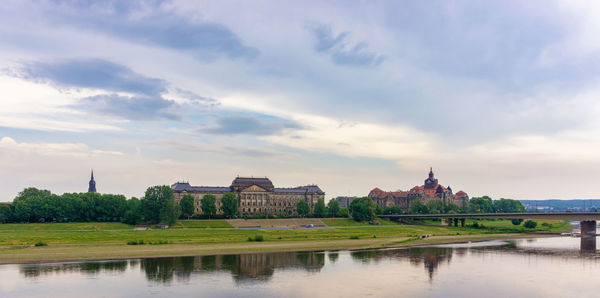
{"x": 345, "y": 201}
{"x": 92, "y": 184}
{"x": 430, "y": 189}
{"x": 255, "y": 196}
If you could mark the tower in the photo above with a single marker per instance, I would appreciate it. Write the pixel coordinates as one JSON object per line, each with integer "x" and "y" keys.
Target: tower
{"x": 431, "y": 182}
{"x": 92, "y": 185}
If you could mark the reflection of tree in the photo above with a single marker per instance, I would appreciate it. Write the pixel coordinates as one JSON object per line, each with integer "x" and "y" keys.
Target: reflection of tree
{"x": 333, "y": 256}
{"x": 158, "y": 269}
{"x": 88, "y": 268}
{"x": 430, "y": 257}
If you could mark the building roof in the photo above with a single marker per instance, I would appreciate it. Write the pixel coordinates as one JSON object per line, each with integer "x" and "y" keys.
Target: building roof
{"x": 185, "y": 186}
{"x": 240, "y": 183}
{"x": 300, "y": 190}
{"x": 460, "y": 193}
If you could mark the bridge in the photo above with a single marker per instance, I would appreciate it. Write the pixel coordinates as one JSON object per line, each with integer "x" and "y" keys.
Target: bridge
{"x": 587, "y": 220}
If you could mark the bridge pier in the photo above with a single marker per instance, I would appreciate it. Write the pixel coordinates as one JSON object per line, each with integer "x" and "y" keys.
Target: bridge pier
{"x": 588, "y": 235}
{"x": 462, "y": 222}
{"x": 456, "y": 222}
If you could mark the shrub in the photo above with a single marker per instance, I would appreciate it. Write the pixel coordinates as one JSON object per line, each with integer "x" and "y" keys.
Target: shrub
{"x": 516, "y": 222}
{"x": 135, "y": 242}
{"x": 530, "y": 224}
{"x": 257, "y": 238}
{"x": 41, "y": 243}
{"x": 354, "y": 237}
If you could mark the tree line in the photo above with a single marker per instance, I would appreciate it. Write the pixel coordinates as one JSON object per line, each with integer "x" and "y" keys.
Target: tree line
{"x": 156, "y": 206}
{"x": 365, "y": 209}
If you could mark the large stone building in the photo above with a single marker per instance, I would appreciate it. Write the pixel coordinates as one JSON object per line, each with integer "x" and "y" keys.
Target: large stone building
{"x": 430, "y": 189}
{"x": 255, "y": 196}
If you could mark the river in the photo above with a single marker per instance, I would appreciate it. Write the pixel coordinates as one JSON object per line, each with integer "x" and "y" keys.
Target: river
{"x": 540, "y": 267}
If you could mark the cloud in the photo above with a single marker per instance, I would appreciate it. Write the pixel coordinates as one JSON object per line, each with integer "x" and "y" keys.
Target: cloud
{"x": 74, "y": 150}
{"x": 154, "y": 23}
{"x": 124, "y": 93}
{"x": 93, "y": 73}
{"x": 235, "y": 125}
{"x": 132, "y": 108}
{"x": 341, "y": 50}
{"x": 227, "y": 150}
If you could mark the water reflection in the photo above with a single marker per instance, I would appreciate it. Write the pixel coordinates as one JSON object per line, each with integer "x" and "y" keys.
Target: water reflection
{"x": 88, "y": 268}
{"x": 260, "y": 268}
{"x": 429, "y": 257}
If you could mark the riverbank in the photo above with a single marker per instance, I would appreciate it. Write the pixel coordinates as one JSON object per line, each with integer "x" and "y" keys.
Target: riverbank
{"x": 109, "y": 241}
{"x": 63, "y": 253}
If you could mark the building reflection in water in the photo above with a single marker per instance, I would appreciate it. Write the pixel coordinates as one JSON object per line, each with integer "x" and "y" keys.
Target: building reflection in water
{"x": 243, "y": 268}
{"x": 260, "y": 267}
{"x": 429, "y": 257}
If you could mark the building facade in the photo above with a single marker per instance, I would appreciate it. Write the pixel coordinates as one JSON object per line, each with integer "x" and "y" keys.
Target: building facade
{"x": 345, "y": 201}
{"x": 254, "y": 195}
{"x": 430, "y": 189}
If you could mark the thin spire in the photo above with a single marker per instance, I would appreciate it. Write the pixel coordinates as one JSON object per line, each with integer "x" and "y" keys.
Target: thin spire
{"x": 92, "y": 174}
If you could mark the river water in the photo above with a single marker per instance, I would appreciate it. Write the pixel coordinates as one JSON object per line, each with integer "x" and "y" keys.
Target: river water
{"x": 541, "y": 267}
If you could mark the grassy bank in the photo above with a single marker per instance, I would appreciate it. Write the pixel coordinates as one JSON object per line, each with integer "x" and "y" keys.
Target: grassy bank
{"x": 78, "y": 241}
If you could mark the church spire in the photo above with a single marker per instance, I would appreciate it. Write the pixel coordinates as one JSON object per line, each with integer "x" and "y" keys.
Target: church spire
{"x": 92, "y": 184}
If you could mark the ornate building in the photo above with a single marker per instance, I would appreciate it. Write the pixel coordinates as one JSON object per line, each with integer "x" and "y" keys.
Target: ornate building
{"x": 92, "y": 184}
{"x": 255, "y": 196}
{"x": 430, "y": 189}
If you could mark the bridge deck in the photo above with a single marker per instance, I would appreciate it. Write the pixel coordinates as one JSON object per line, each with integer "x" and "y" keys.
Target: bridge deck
{"x": 579, "y": 216}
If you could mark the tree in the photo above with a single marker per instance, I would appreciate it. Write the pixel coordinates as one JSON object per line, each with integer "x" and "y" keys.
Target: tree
{"x": 508, "y": 206}
{"x": 435, "y": 206}
{"x": 452, "y": 208}
{"x": 133, "y": 215}
{"x": 320, "y": 209}
{"x": 392, "y": 210}
{"x": 5, "y": 212}
{"x": 302, "y": 208}
{"x": 344, "y": 212}
{"x": 158, "y": 205}
{"x": 209, "y": 205}
{"x": 516, "y": 222}
{"x": 481, "y": 205}
{"x": 363, "y": 209}
{"x": 417, "y": 207}
{"x": 229, "y": 204}
{"x": 187, "y": 205}
{"x": 333, "y": 207}
{"x": 530, "y": 224}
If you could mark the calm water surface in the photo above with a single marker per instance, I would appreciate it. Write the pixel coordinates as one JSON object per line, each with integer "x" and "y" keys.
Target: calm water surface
{"x": 545, "y": 267}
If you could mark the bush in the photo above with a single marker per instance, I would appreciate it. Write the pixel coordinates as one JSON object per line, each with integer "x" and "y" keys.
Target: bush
{"x": 516, "y": 222}
{"x": 135, "y": 242}
{"x": 257, "y": 238}
{"x": 530, "y": 224}
{"x": 354, "y": 237}
{"x": 41, "y": 243}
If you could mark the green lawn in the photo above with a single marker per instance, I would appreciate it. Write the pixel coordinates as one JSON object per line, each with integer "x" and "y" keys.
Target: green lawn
{"x": 506, "y": 226}
{"x": 348, "y": 222}
{"x": 109, "y": 233}
{"x": 202, "y": 223}
{"x": 87, "y": 226}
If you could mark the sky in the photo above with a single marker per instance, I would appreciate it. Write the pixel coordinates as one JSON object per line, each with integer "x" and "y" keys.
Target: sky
{"x": 501, "y": 98}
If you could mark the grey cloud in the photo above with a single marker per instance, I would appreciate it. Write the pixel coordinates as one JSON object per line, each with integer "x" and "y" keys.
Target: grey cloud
{"x": 93, "y": 73}
{"x": 340, "y": 49}
{"x": 234, "y": 125}
{"x": 133, "y": 108}
{"x": 154, "y": 23}
{"x": 146, "y": 103}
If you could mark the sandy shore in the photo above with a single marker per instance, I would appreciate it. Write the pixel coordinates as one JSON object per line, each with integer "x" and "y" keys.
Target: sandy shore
{"x": 62, "y": 253}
